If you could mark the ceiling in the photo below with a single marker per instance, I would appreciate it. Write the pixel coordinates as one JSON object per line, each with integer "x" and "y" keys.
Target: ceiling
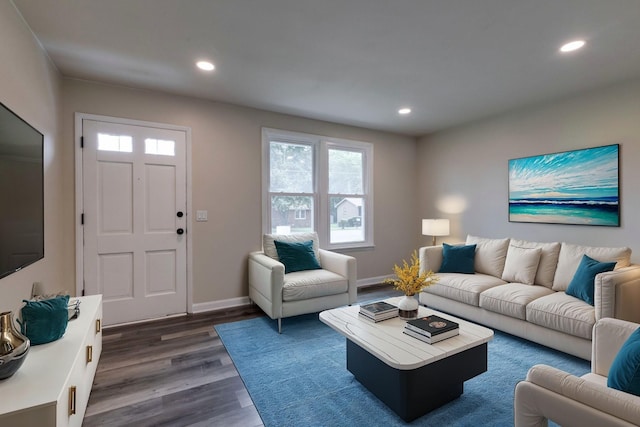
{"x": 348, "y": 61}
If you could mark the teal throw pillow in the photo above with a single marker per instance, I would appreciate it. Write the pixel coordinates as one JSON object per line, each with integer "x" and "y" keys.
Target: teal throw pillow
{"x": 583, "y": 283}
{"x": 45, "y": 321}
{"x": 297, "y": 256}
{"x": 458, "y": 259}
{"x": 624, "y": 373}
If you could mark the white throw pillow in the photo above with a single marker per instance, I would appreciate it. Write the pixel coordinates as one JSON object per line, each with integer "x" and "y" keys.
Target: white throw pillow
{"x": 521, "y": 264}
{"x": 269, "y": 247}
{"x": 548, "y": 260}
{"x": 490, "y": 254}
{"x": 571, "y": 255}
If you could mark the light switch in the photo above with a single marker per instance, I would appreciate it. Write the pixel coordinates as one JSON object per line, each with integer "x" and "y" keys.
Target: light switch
{"x": 201, "y": 215}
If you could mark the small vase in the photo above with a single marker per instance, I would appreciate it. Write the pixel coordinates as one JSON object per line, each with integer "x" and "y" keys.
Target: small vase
{"x": 13, "y": 346}
{"x": 408, "y": 307}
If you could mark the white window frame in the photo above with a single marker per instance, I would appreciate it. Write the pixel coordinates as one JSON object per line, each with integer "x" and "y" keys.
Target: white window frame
{"x": 320, "y": 212}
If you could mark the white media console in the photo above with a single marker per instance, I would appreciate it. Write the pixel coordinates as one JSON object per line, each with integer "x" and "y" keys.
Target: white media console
{"x": 51, "y": 388}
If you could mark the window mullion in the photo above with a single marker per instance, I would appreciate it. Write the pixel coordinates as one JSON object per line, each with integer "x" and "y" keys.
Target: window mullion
{"x": 323, "y": 226}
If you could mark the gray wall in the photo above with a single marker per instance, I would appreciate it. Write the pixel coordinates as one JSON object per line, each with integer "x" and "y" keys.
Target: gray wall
{"x": 463, "y": 171}
{"x": 226, "y": 146}
{"x": 30, "y": 86}
{"x": 460, "y": 173}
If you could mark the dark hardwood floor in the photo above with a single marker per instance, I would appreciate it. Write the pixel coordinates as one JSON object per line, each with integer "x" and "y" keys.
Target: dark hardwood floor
{"x": 176, "y": 372}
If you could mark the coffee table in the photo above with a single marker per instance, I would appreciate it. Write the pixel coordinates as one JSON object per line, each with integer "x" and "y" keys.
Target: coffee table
{"x": 410, "y": 376}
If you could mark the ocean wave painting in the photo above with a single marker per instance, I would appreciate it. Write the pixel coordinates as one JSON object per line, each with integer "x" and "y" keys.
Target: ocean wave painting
{"x": 572, "y": 187}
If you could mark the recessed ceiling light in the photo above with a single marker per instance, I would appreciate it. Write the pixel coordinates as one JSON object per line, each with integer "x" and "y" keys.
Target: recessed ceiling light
{"x": 205, "y": 65}
{"x": 571, "y": 46}
{"x": 404, "y": 111}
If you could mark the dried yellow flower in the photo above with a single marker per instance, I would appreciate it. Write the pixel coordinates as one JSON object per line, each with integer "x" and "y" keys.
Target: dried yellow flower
{"x": 409, "y": 280}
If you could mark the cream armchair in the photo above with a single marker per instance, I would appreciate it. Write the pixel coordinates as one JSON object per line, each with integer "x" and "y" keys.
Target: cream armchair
{"x": 551, "y": 394}
{"x": 282, "y": 295}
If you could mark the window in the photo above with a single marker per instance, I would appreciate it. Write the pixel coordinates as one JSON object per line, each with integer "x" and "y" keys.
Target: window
{"x": 162, "y": 147}
{"x": 121, "y": 143}
{"x": 318, "y": 183}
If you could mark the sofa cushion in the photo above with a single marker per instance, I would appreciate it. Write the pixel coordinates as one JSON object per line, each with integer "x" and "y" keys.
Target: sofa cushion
{"x": 465, "y": 288}
{"x": 521, "y": 264}
{"x": 458, "y": 259}
{"x": 624, "y": 373}
{"x": 571, "y": 255}
{"x": 297, "y": 256}
{"x": 302, "y": 285}
{"x": 548, "y": 260}
{"x": 563, "y": 313}
{"x": 512, "y": 299}
{"x": 583, "y": 283}
{"x": 269, "y": 246}
{"x": 490, "y": 254}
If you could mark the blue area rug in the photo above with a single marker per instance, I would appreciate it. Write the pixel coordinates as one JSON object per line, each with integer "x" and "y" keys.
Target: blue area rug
{"x": 299, "y": 378}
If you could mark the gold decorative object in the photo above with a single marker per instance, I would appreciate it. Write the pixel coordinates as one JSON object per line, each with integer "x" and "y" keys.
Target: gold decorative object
{"x": 410, "y": 281}
{"x": 13, "y": 346}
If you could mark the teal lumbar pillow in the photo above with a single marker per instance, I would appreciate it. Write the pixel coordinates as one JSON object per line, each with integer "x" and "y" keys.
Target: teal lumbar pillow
{"x": 45, "y": 321}
{"x": 582, "y": 285}
{"x": 458, "y": 259}
{"x": 624, "y": 373}
{"x": 297, "y": 256}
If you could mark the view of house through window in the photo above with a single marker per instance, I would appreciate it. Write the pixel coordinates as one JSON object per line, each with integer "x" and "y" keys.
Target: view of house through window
{"x": 317, "y": 183}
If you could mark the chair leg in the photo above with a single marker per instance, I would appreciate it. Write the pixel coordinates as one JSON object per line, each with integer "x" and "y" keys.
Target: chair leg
{"x": 279, "y": 325}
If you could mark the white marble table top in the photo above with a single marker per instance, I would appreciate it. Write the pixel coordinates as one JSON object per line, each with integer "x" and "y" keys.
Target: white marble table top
{"x": 387, "y": 342}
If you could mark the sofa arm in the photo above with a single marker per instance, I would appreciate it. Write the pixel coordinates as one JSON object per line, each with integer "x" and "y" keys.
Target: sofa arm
{"x": 266, "y": 276}
{"x": 617, "y": 294}
{"x": 588, "y": 396}
{"x": 608, "y": 336}
{"x": 343, "y": 265}
{"x": 430, "y": 258}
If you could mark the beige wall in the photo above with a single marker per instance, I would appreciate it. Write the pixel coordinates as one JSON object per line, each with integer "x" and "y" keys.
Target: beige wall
{"x": 467, "y": 166}
{"x": 30, "y": 86}
{"x": 226, "y": 179}
{"x": 464, "y": 169}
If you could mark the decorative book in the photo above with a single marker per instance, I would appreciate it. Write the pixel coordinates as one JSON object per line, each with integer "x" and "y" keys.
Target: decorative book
{"x": 434, "y": 339}
{"x": 431, "y": 326}
{"x": 378, "y": 311}
{"x": 378, "y": 318}
{"x": 377, "y": 308}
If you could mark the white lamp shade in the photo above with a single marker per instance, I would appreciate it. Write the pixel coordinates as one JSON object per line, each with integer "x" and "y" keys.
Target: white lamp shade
{"x": 435, "y": 227}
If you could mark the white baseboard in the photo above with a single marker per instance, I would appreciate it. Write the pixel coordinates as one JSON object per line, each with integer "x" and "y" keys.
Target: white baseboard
{"x": 203, "y": 307}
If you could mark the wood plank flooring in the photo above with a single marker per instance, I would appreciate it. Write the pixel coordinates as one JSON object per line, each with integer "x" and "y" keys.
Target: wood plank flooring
{"x": 176, "y": 372}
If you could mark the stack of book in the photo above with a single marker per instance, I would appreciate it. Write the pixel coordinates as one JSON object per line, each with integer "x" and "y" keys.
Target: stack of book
{"x": 378, "y": 311}
{"x": 431, "y": 329}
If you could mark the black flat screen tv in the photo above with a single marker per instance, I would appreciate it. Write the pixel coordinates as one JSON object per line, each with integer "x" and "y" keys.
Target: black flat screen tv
{"x": 21, "y": 193}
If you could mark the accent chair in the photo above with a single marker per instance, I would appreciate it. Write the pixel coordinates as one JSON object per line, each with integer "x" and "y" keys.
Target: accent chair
{"x": 302, "y": 279}
{"x": 551, "y": 394}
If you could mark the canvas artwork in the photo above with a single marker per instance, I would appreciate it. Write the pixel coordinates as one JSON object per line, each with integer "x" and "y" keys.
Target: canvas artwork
{"x": 572, "y": 187}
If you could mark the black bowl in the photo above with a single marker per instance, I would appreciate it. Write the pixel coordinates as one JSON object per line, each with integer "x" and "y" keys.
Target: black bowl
{"x": 11, "y": 363}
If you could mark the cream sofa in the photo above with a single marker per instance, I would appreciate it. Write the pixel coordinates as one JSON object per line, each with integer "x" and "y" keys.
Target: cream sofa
{"x": 282, "y": 295}
{"x": 513, "y": 291}
{"x": 551, "y": 394}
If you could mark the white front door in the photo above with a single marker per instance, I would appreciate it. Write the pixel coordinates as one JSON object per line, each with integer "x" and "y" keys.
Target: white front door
{"x": 134, "y": 197}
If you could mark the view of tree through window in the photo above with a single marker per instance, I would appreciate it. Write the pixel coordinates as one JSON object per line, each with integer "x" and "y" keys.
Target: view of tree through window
{"x": 291, "y": 174}
{"x": 320, "y": 184}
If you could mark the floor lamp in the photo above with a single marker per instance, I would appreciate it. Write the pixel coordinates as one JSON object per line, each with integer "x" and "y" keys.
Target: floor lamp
{"x": 435, "y": 227}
